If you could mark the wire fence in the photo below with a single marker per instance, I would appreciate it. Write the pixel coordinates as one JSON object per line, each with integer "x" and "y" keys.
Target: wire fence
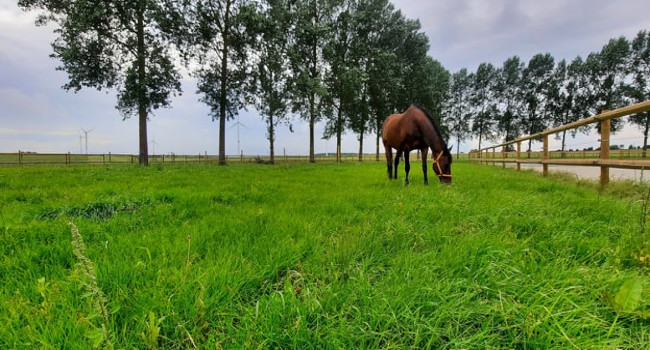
{"x": 33, "y": 158}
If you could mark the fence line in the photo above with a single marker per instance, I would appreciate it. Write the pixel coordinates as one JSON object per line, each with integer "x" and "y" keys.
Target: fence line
{"x": 545, "y": 157}
{"x": 32, "y": 158}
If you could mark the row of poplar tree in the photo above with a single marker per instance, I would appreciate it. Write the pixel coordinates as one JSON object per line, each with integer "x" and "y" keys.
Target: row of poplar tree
{"x": 348, "y": 62}
{"x": 518, "y": 98}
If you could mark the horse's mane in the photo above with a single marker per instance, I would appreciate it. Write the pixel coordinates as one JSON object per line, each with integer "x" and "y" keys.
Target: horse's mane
{"x": 436, "y": 127}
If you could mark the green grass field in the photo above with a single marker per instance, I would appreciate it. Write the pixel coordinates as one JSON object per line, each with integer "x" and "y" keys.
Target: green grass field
{"x": 318, "y": 257}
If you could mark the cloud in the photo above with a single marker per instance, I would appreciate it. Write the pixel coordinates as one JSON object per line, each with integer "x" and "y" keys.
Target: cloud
{"x": 464, "y": 34}
{"x": 7, "y": 131}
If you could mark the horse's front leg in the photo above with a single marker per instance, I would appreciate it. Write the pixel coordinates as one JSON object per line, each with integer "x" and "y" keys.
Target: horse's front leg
{"x": 398, "y": 154}
{"x": 407, "y": 166}
{"x": 424, "y": 165}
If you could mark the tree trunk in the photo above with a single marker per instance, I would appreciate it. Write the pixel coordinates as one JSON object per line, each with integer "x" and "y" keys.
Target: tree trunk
{"x": 339, "y": 132}
{"x": 312, "y": 118}
{"x": 142, "y": 93}
{"x": 271, "y": 138}
{"x": 224, "y": 84}
{"x": 312, "y": 98}
{"x": 361, "y": 145}
{"x": 377, "y": 145}
{"x": 480, "y": 134}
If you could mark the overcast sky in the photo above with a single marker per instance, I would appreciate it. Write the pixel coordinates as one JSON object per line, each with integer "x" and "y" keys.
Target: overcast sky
{"x": 37, "y": 115}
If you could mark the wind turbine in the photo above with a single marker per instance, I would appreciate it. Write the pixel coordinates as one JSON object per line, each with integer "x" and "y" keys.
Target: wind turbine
{"x": 86, "y": 133}
{"x": 153, "y": 146}
{"x": 81, "y": 143}
{"x": 237, "y": 124}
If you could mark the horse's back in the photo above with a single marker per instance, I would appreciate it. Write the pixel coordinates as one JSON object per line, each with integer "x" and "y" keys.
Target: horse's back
{"x": 405, "y": 127}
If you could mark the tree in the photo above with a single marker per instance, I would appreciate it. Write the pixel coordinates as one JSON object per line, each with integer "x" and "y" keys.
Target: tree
{"x": 343, "y": 78}
{"x": 457, "y": 107}
{"x": 567, "y": 101}
{"x": 386, "y": 92}
{"x": 411, "y": 50}
{"x": 433, "y": 80}
{"x": 272, "y": 75}
{"x": 639, "y": 88}
{"x": 382, "y": 84}
{"x": 220, "y": 42}
{"x": 313, "y": 23}
{"x": 537, "y": 89}
{"x": 606, "y": 72}
{"x": 508, "y": 92}
{"x": 482, "y": 101}
{"x": 117, "y": 44}
{"x": 369, "y": 20}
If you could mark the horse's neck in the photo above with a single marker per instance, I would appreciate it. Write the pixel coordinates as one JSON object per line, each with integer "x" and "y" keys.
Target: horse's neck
{"x": 435, "y": 141}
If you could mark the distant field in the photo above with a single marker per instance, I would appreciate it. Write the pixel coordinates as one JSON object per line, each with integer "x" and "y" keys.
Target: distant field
{"x": 318, "y": 257}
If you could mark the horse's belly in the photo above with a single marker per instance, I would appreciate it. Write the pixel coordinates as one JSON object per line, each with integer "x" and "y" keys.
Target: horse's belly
{"x": 412, "y": 143}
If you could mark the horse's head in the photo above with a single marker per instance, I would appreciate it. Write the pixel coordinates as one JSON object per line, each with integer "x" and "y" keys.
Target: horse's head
{"x": 442, "y": 165}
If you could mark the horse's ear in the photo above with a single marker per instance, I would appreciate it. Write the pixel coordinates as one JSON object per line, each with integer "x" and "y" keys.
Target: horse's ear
{"x": 450, "y": 147}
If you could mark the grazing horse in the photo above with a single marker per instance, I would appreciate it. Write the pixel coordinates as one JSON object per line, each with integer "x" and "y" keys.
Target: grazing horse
{"x": 415, "y": 129}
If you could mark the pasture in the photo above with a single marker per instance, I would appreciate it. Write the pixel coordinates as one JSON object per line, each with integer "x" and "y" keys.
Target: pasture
{"x": 318, "y": 257}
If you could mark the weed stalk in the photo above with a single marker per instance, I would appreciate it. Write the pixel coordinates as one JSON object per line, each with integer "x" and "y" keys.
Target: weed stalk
{"x": 87, "y": 269}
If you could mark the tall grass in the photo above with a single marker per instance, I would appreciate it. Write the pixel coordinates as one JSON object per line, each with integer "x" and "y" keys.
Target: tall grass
{"x": 325, "y": 256}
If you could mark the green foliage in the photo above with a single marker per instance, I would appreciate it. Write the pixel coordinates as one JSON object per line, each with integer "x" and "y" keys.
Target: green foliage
{"x": 329, "y": 256}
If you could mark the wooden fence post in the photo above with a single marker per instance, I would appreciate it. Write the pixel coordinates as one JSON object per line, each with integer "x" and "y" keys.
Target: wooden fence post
{"x": 504, "y": 155}
{"x": 545, "y": 156}
{"x": 604, "y": 150}
{"x": 494, "y": 150}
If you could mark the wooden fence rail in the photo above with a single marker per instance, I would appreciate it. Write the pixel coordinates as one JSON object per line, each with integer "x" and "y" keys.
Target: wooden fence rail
{"x": 489, "y": 154}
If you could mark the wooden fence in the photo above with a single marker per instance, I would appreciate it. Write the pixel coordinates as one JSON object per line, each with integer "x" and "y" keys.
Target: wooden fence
{"x": 604, "y": 159}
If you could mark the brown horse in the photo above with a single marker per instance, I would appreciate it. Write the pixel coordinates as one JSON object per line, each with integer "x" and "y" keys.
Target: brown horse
{"x": 415, "y": 129}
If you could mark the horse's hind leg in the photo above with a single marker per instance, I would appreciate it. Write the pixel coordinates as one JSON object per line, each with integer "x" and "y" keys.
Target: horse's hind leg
{"x": 407, "y": 166}
{"x": 398, "y": 154}
{"x": 389, "y": 160}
